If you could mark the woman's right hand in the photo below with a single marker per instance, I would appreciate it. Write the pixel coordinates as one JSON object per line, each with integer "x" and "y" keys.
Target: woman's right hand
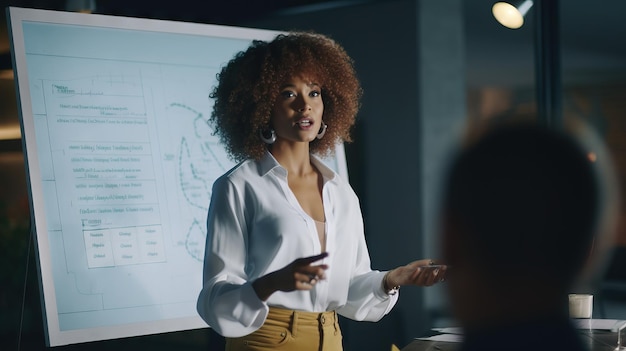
{"x": 298, "y": 275}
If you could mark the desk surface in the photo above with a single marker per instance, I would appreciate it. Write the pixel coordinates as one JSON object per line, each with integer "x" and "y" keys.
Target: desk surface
{"x": 595, "y": 341}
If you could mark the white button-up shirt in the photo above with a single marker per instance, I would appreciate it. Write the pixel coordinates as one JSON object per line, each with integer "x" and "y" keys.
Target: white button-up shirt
{"x": 256, "y": 226}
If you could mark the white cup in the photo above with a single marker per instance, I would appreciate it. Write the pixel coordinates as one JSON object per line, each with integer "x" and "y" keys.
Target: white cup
{"x": 580, "y": 305}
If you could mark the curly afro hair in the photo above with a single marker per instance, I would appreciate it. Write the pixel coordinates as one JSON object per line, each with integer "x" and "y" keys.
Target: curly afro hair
{"x": 250, "y": 83}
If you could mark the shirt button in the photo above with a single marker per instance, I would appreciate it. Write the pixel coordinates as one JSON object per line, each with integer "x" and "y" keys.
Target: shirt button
{"x": 323, "y": 319}
{"x": 282, "y": 334}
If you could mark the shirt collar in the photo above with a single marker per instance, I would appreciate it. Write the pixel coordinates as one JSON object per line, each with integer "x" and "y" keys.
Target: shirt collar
{"x": 267, "y": 163}
{"x": 327, "y": 173}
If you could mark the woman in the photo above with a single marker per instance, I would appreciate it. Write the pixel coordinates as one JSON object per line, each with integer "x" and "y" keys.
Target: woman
{"x": 285, "y": 249}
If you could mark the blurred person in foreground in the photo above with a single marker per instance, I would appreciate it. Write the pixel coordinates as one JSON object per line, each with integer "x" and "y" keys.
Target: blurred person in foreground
{"x": 520, "y": 212}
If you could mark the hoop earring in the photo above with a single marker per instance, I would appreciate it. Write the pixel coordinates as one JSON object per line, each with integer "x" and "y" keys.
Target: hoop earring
{"x": 268, "y": 135}
{"x": 322, "y": 131}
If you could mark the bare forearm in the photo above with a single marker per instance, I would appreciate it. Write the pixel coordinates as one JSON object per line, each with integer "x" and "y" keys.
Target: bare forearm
{"x": 298, "y": 275}
{"x": 420, "y": 273}
{"x": 263, "y": 287}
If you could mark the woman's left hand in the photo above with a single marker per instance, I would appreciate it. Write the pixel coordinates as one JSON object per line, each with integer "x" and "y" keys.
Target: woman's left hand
{"x": 420, "y": 273}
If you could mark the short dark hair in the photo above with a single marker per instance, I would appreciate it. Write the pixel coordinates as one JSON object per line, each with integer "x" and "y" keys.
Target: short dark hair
{"x": 526, "y": 198}
{"x": 249, "y": 84}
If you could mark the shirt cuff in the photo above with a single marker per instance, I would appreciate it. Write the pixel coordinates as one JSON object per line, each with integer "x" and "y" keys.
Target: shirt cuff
{"x": 253, "y": 310}
{"x": 380, "y": 292}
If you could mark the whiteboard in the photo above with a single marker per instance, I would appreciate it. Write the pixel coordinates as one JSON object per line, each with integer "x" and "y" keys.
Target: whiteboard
{"x": 120, "y": 165}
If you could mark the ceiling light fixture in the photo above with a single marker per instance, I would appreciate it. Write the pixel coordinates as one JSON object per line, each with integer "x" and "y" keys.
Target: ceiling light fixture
{"x": 509, "y": 15}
